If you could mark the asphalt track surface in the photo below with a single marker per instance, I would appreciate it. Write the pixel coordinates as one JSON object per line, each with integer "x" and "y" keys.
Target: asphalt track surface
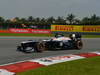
{"x": 8, "y": 53}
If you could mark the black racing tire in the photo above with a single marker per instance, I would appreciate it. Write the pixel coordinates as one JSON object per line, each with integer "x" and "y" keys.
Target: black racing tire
{"x": 79, "y": 45}
{"x": 40, "y": 46}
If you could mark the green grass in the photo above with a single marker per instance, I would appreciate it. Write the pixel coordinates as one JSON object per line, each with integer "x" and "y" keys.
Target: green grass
{"x": 41, "y": 35}
{"x": 89, "y": 66}
{"x": 91, "y": 36}
{"x": 87, "y": 36}
{"x": 22, "y": 34}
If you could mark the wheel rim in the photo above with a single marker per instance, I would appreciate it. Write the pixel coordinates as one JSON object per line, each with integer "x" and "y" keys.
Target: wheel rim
{"x": 41, "y": 47}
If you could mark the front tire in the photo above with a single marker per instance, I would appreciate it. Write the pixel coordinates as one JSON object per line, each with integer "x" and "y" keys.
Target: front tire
{"x": 40, "y": 47}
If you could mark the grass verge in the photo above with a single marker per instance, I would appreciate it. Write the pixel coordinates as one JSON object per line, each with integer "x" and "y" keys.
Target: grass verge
{"x": 89, "y": 66}
{"x": 91, "y": 36}
{"x": 23, "y": 34}
{"x": 42, "y": 35}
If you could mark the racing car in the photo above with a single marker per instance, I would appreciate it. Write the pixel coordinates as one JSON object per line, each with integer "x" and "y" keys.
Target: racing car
{"x": 59, "y": 42}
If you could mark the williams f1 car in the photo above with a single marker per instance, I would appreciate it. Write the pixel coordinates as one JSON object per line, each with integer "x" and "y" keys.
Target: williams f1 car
{"x": 59, "y": 42}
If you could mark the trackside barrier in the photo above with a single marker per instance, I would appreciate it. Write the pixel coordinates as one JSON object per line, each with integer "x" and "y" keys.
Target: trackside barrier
{"x": 93, "y": 29}
{"x": 13, "y": 68}
{"x": 33, "y": 31}
{"x": 4, "y": 31}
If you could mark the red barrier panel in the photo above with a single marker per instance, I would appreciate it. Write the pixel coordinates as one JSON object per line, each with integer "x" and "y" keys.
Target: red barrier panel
{"x": 88, "y": 55}
{"x": 4, "y": 31}
{"x": 35, "y": 31}
{"x": 19, "y": 30}
{"x": 41, "y": 31}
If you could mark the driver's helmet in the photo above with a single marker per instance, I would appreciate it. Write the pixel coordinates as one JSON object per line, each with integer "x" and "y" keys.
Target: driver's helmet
{"x": 59, "y": 35}
{"x": 75, "y": 35}
{"x": 72, "y": 36}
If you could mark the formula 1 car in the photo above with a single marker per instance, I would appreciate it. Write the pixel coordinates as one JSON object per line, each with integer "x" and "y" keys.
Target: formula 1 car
{"x": 59, "y": 42}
